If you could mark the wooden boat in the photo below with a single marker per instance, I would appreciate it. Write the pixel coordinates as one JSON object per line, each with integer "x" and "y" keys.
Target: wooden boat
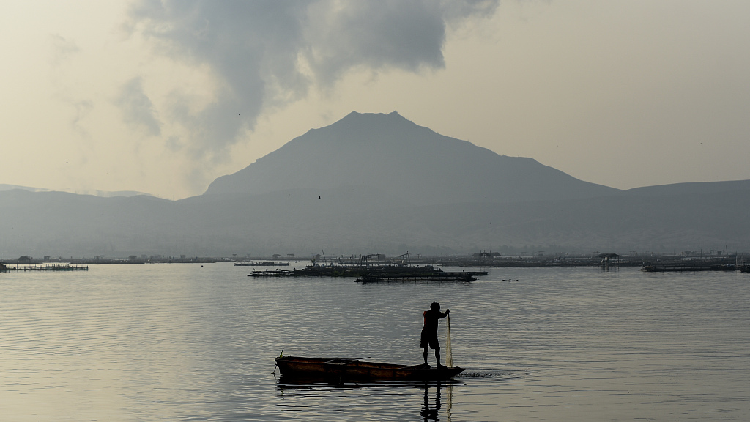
{"x": 339, "y": 371}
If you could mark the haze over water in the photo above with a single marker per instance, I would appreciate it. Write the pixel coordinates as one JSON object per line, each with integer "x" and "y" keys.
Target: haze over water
{"x": 185, "y": 342}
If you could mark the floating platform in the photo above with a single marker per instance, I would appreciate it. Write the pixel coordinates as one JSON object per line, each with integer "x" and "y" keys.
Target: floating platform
{"x": 374, "y": 274}
{"x": 407, "y": 274}
{"x": 668, "y": 268}
{"x": 272, "y": 273}
{"x": 261, "y": 264}
{"x": 408, "y": 277}
{"x": 53, "y": 267}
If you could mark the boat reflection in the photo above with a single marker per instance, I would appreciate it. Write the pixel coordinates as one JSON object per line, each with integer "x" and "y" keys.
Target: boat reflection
{"x": 432, "y": 402}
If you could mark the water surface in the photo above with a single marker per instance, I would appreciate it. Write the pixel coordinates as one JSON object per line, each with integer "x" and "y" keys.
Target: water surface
{"x": 191, "y": 342}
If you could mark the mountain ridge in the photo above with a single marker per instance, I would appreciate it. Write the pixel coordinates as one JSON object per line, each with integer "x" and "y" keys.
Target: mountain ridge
{"x": 387, "y": 150}
{"x": 100, "y": 193}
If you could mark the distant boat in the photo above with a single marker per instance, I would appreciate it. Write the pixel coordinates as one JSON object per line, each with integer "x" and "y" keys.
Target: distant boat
{"x": 336, "y": 370}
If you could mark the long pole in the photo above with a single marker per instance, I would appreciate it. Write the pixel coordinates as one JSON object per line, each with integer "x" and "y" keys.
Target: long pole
{"x": 449, "y": 357}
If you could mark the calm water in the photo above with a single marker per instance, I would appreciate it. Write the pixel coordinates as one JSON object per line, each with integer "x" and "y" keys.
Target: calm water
{"x": 185, "y": 342}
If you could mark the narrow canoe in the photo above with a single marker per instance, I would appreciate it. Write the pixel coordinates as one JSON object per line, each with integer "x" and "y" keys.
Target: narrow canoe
{"x": 344, "y": 370}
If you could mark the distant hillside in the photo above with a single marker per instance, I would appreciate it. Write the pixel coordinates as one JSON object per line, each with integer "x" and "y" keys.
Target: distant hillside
{"x": 102, "y": 193}
{"x": 381, "y": 184}
{"x": 411, "y": 162}
{"x": 346, "y": 221}
{"x": 691, "y": 188}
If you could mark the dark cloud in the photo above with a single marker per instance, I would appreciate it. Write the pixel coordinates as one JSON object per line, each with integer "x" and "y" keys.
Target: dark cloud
{"x": 270, "y": 52}
{"x": 407, "y": 35}
{"x": 374, "y": 35}
{"x": 137, "y": 109}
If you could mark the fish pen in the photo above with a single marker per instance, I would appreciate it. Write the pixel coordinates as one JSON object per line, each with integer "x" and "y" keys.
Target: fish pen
{"x": 406, "y": 277}
{"x": 53, "y": 267}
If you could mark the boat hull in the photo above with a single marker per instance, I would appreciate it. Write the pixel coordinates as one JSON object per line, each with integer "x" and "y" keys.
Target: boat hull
{"x": 352, "y": 370}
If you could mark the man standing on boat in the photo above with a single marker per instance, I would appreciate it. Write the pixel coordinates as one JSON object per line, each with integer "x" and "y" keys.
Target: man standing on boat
{"x": 429, "y": 336}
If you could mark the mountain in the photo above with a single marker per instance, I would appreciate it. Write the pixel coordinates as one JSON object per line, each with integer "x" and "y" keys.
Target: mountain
{"x": 102, "y": 193}
{"x": 410, "y": 162}
{"x": 691, "y": 188}
{"x": 379, "y": 183}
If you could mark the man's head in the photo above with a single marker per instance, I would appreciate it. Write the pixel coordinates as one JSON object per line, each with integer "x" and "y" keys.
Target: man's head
{"x": 435, "y": 306}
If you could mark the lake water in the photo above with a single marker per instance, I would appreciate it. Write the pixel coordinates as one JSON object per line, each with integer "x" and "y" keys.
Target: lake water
{"x": 186, "y": 342}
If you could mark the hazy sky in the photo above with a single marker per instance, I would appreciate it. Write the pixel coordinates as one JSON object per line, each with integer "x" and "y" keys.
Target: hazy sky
{"x": 165, "y": 96}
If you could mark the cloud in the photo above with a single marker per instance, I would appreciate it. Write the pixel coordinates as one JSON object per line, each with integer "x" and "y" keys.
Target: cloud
{"x": 62, "y": 49}
{"x": 136, "y": 107}
{"x": 269, "y": 53}
{"x": 82, "y": 109}
{"x": 374, "y": 35}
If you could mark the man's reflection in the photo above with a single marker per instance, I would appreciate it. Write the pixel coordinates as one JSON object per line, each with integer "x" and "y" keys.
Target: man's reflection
{"x": 430, "y": 413}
